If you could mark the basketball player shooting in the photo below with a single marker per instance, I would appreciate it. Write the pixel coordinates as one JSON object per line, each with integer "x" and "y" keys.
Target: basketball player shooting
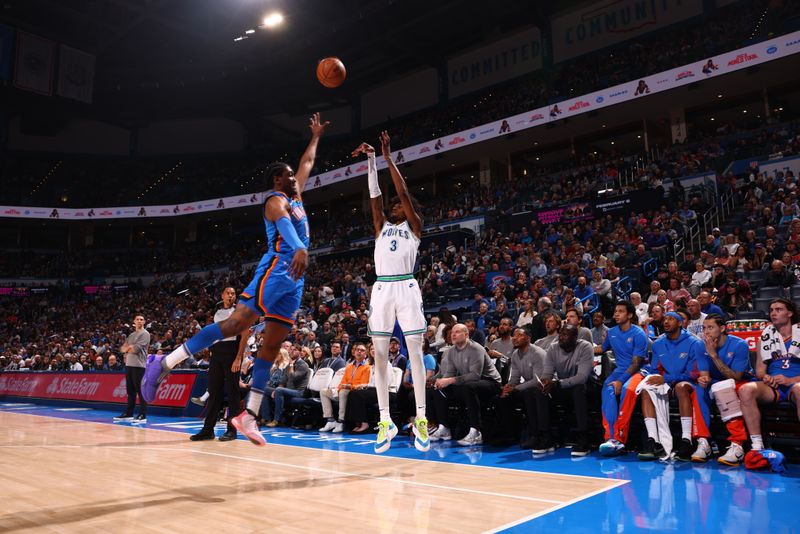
{"x": 396, "y": 296}
{"x": 274, "y": 292}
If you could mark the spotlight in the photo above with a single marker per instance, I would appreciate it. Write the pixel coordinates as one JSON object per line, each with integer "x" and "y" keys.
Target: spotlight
{"x": 272, "y": 20}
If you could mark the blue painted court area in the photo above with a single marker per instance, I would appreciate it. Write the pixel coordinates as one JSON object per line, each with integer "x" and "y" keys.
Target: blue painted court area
{"x": 659, "y": 497}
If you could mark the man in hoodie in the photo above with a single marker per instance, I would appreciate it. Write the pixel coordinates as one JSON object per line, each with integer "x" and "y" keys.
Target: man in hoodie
{"x": 677, "y": 359}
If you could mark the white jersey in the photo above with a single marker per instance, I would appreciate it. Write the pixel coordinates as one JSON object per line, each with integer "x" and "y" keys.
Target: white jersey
{"x": 396, "y": 250}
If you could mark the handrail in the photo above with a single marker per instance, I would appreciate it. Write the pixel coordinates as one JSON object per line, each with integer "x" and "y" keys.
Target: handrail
{"x": 624, "y": 286}
{"x": 646, "y": 270}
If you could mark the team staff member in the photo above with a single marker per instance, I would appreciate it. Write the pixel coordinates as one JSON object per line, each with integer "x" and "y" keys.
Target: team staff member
{"x": 135, "y": 350}
{"x": 223, "y": 375}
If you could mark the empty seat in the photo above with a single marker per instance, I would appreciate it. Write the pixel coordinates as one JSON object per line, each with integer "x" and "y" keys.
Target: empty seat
{"x": 755, "y": 314}
{"x": 770, "y": 292}
{"x": 762, "y": 304}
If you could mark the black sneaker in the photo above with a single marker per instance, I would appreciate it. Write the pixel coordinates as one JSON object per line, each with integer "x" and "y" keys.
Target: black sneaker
{"x": 530, "y": 443}
{"x": 230, "y": 435}
{"x": 581, "y": 448}
{"x": 648, "y": 450}
{"x": 545, "y": 445}
{"x": 140, "y": 419}
{"x": 659, "y": 451}
{"x": 685, "y": 450}
{"x": 202, "y": 436}
{"x": 124, "y": 417}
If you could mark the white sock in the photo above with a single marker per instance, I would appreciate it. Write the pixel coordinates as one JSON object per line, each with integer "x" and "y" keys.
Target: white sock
{"x": 205, "y": 396}
{"x": 177, "y": 356}
{"x": 686, "y": 428}
{"x": 414, "y": 344}
{"x": 254, "y": 401}
{"x": 652, "y": 427}
{"x": 381, "y": 370}
{"x": 758, "y": 443}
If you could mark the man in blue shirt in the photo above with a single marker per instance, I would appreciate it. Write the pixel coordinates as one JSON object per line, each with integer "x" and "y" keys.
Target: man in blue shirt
{"x": 583, "y": 289}
{"x": 676, "y": 362}
{"x": 728, "y": 360}
{"x": 706, "y": 306}
{"x": 629, "y": 345}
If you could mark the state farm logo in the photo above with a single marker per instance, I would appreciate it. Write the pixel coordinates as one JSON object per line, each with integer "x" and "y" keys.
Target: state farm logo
{"x": 683, "y": 75}
{"x": 12, "y": 212}
{"x": 742, "y": 58}
{"x": 17, "y": 386}
{"x": 106, "y": 213}
{"x": 580, "y": 104}
{"x": 171, "y": 392}
{"x": 337, "y": 175}
{"x": 73, "y": 386}
{"x": 120, "y": 391}
{"x": 188, "y": 208}
{"x": 456, "y": 140}
{"x": 361, "y": 168}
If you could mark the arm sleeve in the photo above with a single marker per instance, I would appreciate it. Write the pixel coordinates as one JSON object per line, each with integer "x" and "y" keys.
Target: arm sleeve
{"x": 585, "y": 365}
{"x": 289, "y": 234}
{"x": 372, "y": 176}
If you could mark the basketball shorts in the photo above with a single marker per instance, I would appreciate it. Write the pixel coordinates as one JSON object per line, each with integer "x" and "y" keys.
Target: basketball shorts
{"x": 400, "y": 301}
{"x": 272, "y": 292}
{"x": 782, "y": 394}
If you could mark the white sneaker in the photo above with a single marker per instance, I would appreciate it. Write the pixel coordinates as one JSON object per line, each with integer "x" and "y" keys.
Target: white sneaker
{"x": 703, "y": 452}
{"x": 473, "y": 438}
{"x": 733, "y": 456}
{"x": 611, "y": 447}
{"x": 338, "y": 427}
{"x": 442, "y": 433}
{"x": 330, "y": 425}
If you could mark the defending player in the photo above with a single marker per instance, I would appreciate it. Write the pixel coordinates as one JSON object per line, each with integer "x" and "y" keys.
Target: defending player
{"x": 777, "y": 368}
{"x": 396, "y": 296}
{"x": 274, "y": 292}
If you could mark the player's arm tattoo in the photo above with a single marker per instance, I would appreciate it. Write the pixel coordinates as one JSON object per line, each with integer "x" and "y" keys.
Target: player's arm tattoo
{"x": 636, "y": 364}
{"x": 726, "y": 371}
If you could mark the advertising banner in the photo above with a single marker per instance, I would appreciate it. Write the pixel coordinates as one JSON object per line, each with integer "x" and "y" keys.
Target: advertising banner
{"x": 747, "y": 329}
{"x": 35, "y": 63}
{"x": 175, "y": 391}
{"x": 579, "y": 211}
{"x": 493, "y": 279}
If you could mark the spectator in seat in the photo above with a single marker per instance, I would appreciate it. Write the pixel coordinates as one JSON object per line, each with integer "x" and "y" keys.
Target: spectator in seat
{"x": 778, "y": 276}
{"x": 356, "y": 376}
{"x": 293, "y": 386}
{"x": 469, "y": 377}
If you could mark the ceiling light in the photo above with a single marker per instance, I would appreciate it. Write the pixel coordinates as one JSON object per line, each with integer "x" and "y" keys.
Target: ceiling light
{"x": 272, "y": 20}
{"x": 250, "y": 31}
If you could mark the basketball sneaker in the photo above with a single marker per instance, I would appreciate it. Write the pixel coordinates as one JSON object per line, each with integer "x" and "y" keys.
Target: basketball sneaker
{"x": 386, "y": 433}
{"x": 612, "y": 447}
{"x": 140, "y": 419}
{"x": 442, "y": 433}
{"x": 703, "y": 452}
{"x": 330, "y": 425}
{"x": 474, "y": 437}
{"x": 421, "y": 439}
{"x": 123, "y": 417}
{"x": 198, "y": 401}
{"x": 684, "y": 453}
{"x": 155, "y": 372}
{"x": 245, "y": 423}
{"x": 733, "y": 456}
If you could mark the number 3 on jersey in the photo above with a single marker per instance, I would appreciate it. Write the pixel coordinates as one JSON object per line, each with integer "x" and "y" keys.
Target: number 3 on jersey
{"x": 394, "y": 245}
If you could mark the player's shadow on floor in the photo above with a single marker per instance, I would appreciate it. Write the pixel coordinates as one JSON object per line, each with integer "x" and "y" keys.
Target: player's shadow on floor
{"x": 210, "y": 494}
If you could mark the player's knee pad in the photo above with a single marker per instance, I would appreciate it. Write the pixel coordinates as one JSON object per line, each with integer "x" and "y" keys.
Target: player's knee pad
{"x": 724, "y": 394}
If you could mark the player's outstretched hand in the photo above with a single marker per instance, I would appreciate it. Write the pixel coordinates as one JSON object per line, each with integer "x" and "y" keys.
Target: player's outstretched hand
{"x": 299, "y": 264}
{"x": 386, "y": 148}
{"x": 363, "y": 148}
{"x": 317, "y": 126}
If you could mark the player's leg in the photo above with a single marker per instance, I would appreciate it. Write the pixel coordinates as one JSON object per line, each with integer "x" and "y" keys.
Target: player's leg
{"x": 726, "y": 397}
{"x": 701, "y": 424}
{"x": 651, "y": 446}
{"x": 683, "y": 392}
{"x": 794, "y": 397}
{"x": 609, "y": 404}
{"x": 411, "y": 317}
{"x": 274, "y": 334}
{"x": 381, "y": 324}
{"x": 158, "y": 367}
{"x": 751, "y": 395}
{"x": 627, "y": 403}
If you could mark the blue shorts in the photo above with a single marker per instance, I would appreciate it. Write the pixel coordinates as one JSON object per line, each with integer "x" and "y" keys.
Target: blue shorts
{"x": 272, "y": 292}
{"x": 782, "y": 393}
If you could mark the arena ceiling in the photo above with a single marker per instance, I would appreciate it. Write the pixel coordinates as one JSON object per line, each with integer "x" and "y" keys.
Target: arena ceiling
{"x": 157, "y": 57}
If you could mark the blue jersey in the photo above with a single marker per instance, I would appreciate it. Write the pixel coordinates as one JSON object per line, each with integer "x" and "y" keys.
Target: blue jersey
{"x": 626, "y": 345}
{"x": 734, "y": 353}
{"x": 677, "y": 360}
{"x": 786, "y": 365}
{"x": 275, "y": 243}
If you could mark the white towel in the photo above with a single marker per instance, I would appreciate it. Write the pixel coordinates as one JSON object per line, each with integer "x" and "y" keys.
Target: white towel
{"x": 660, "y": 397}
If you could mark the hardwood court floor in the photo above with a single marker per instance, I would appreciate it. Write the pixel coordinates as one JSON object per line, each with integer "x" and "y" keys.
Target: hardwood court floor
{"x": 62, "y": 475}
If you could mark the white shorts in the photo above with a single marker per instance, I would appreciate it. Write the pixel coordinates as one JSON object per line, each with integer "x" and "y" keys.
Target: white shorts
{"x": 399, "y": 301}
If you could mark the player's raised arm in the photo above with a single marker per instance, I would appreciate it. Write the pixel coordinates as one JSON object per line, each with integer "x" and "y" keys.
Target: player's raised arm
{"x": 307, "y": 160}
{"x": 375, "y": 196}
{"x": 414, "y": 218}
{"x": 277, "y": 211}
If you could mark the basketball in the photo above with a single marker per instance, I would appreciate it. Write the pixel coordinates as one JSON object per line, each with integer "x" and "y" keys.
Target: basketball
{"x": 331, "y": 72}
